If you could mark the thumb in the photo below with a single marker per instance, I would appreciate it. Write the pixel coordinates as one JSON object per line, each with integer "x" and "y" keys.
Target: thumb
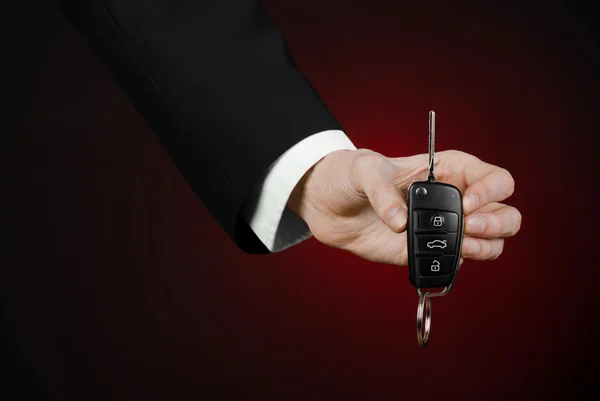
{"x": 373, "y": 175}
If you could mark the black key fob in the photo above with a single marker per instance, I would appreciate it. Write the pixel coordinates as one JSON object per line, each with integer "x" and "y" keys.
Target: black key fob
{"x": 435, "y": 233}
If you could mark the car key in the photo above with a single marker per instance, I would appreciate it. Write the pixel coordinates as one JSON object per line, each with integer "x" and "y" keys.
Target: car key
{"x": 435, "y": 232}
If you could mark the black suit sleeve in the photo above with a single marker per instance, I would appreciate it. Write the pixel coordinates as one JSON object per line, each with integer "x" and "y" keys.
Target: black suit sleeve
{"x": 217, "y": 84}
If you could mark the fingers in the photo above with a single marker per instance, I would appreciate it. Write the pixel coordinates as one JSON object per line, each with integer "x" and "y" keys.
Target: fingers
{"x": 494, "y": 186}
{"x": 493, "y": 221}
{"x": 482, "y": 249}
{"x": 373, "y": 174}
{"x": 481, "y": 183}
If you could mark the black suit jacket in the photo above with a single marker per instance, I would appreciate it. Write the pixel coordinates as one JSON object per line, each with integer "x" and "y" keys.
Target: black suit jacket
{"x": 216, "y": 82}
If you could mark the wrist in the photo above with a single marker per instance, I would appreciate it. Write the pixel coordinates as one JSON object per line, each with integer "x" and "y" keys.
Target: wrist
{"x": 302, "y": 200}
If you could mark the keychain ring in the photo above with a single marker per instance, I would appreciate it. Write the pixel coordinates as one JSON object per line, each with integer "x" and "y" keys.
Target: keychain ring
{"x": 424, "y": 308}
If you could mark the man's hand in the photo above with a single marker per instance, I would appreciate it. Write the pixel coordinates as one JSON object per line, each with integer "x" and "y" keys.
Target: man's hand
{"x": 356, "y": 200}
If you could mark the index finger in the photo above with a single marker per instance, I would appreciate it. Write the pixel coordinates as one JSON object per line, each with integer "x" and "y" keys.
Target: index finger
{"x": 495, "y": 185}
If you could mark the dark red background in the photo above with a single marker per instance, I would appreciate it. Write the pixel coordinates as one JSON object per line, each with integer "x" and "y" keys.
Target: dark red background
{"x": 123, "y": 287}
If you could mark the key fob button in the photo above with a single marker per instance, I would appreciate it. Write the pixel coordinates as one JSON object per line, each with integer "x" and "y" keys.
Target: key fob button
{"x": 435, "y": 265}
{"x": 437, "y": 244}
{"x": 432, "y": 220}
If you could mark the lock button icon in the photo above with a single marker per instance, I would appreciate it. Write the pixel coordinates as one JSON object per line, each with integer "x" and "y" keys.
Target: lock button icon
{"x": 438, "y": 221}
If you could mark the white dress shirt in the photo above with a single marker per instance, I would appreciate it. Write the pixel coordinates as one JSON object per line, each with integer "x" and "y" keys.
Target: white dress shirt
{"x": 266, "y": 212}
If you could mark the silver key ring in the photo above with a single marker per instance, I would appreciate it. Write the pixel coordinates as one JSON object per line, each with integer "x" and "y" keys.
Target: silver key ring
{"x": 424, "y": 308}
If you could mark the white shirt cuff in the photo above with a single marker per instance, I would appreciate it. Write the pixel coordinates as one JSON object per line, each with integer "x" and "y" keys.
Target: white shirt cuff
{"x": 266, "y": 212}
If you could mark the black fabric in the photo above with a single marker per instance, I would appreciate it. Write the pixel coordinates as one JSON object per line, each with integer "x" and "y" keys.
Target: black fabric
{"x": 215, "y": 81}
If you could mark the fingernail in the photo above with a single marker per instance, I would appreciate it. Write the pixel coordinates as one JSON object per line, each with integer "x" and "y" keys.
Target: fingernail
{"x": 393, "y": 212}
{"x": 397, "y": 219}
{"x": 475, "y": 225}
{"x": 472, "y": 247}
{"x": 471, "y": 203}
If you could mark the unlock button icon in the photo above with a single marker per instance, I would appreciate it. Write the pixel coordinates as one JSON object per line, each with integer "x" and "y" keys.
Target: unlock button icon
{"x": 434, "y": 266}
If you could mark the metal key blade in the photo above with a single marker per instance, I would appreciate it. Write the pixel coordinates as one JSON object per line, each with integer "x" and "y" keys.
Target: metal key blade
{"x": 431, "y": 177}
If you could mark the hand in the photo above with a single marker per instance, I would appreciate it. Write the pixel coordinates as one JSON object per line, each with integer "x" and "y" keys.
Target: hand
{"x": 356, "y": 200}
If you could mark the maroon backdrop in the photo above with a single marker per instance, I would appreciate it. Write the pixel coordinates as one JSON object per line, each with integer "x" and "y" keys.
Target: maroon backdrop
{"x": 124, "y": 287}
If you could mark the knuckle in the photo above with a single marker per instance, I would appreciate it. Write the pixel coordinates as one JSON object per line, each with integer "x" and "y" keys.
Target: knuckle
{"x": 362, "y": 166}
{"x": 473, "y": 248}
{"x": 461, "y": 157}
{"x": 486, "y": 193}
{"x": 515, "y": 222}
{"x": 497, "y": 250}
{"x": 518, "y": 219}
{"x": 455, "y": 153}
{"x": 367, "y": 161}
{"x": 508, "y": 181}
{"x": 492, "y": 225}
